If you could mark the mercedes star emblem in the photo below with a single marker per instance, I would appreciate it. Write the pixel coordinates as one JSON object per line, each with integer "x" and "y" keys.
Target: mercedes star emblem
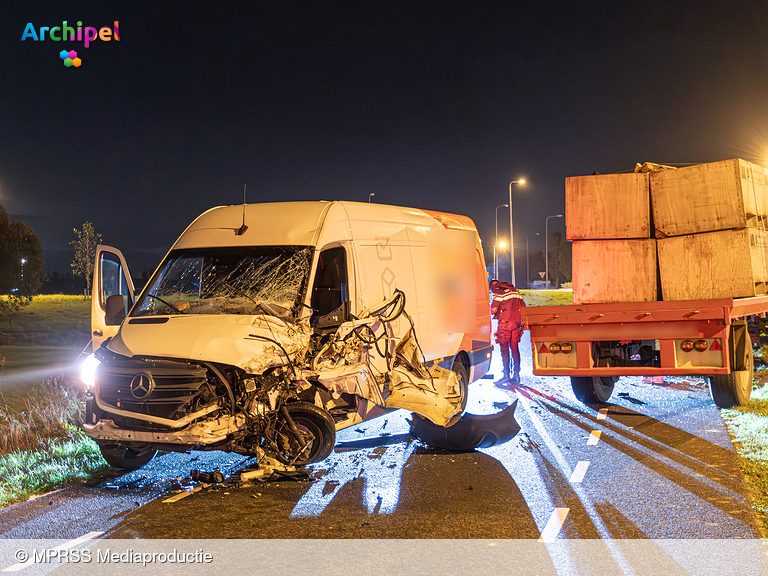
{"x": 142, "y": 385}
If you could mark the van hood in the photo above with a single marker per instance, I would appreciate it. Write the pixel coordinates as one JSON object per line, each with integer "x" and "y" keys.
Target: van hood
{"x": 248, "y": 342}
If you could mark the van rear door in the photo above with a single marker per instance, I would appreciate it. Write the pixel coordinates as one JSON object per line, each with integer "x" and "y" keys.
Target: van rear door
{"x": 110, "y": 278}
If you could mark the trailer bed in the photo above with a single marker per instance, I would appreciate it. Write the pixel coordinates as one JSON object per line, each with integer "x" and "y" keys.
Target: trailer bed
{"x": 581, "y": 332}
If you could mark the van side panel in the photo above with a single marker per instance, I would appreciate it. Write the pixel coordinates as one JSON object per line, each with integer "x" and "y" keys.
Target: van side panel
{"x": 478, "y": 344}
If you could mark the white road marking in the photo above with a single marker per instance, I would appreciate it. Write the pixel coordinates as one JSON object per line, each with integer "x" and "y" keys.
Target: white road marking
{"x": 552, "y": 529}
{"x": 594, "y": 438}
{"x": 602, "y": 414}
{"x": 65, "y": 546}
{"x": 579, "y": 471}
{"x": 589, "y": 507}
{"x": 182, "y": 494}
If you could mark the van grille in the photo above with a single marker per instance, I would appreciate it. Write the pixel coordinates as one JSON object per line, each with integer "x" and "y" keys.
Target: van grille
{"x": 164, "y": 388}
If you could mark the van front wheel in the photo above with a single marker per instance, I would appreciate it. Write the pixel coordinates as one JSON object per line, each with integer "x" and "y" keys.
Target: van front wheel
{"x": 126, "y": 457}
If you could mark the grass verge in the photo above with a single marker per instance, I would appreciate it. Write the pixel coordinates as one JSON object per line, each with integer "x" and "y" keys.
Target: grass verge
{"x": 42, "y": 447}
{"x": 49, "y": 320}
{"x": 547, "y": 297}
{"x": 748, "y": 427}
{"x": 56, "y": 462}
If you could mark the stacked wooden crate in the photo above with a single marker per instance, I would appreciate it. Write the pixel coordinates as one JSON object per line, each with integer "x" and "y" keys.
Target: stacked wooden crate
{"x": 687, "y": 234}
{"x": 608, "y": 217}
{"x": 711, "y": 224}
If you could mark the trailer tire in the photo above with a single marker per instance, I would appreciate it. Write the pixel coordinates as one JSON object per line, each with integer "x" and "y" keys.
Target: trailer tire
{"x": 593, "y": 389}
{"x": 734, "y": 389}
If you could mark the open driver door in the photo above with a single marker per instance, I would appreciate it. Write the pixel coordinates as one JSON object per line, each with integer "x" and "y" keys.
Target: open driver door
{"x": 112, "y": 295}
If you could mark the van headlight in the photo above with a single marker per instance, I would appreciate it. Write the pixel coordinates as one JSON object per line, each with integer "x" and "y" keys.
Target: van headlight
{"x": 88, "y": 370}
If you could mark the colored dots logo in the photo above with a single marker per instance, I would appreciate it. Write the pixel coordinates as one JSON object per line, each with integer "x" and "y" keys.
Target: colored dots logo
{"x": 70, "y": 58}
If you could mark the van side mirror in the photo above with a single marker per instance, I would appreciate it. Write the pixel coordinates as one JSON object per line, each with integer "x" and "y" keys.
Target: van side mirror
{"x": 115, "y": 310}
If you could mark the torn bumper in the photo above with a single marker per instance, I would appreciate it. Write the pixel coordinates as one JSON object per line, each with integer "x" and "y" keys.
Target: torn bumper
{"x": 472, "y": 431}
{"x": 199, "y": 433}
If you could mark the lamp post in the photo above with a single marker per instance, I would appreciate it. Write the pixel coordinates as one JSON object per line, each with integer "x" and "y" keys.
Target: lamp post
{"x": 546, "y": 249}
{"x": 496, "y": 241}
{"x": 511, "y": 235}
{"x": 369, "y": 197}
{"x": 23, "y": 261}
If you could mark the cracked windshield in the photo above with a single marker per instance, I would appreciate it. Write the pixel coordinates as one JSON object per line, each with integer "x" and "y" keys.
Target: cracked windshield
{"x": 229, "y": 280}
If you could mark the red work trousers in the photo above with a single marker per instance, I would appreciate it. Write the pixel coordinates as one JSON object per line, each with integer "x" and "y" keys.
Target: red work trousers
{"x": 508, "y": 341}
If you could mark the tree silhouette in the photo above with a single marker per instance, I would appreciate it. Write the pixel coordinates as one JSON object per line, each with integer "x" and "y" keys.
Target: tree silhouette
{"x": 85, "y": 253}
{"x": 22, "y": 268}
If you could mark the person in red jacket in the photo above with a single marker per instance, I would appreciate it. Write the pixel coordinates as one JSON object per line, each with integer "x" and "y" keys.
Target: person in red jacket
{"x": 505, "y": 308}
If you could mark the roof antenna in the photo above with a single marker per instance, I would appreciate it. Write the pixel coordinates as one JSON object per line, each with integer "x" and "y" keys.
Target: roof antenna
{"x": 240, "y": 231}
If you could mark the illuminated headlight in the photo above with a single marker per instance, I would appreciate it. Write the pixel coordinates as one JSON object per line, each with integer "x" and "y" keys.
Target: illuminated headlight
{"x": 88, "y": 371}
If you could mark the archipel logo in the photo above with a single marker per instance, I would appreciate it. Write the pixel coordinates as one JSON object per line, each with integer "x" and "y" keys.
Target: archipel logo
{"x": 70, "y": 58}
{"x": 66, "y": 33}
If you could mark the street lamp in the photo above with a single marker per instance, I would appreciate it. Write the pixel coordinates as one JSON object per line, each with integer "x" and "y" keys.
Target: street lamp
{"x": 501, "y": 244}
{"x": 546, "y": 249}
{"x": 369, "y": 197}
{"x": 511, "y": 235}
{"x": 23, "y": 261}
{"x": 495, "y": 240}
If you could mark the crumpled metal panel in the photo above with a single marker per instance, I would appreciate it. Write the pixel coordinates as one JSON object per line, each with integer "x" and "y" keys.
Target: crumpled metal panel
{"x": 247, "y": 342}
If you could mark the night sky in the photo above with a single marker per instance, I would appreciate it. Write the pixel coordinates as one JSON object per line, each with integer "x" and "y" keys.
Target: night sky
{"x": 427, "y": 104}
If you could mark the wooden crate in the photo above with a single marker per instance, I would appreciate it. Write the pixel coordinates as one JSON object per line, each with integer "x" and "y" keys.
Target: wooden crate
{"x": 607, "y": 206}
{"x": 614, "y": 271}
{"x": 724, "y": 264}
{"x": 708, "y": 197}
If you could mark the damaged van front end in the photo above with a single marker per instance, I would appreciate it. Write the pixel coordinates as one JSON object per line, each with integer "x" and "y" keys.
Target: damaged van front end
{"x": 243, "y": 346}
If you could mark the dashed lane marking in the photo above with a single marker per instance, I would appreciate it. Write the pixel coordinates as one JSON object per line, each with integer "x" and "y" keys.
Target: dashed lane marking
{"x": 65, "y": 546}
{"x": 594, "y": 438}
{"x": 579, "y": 471}
{"x": 552, "y": 529}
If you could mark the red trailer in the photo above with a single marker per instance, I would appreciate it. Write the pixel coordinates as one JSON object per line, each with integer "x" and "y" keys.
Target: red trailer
{"x": 594, "y": 344}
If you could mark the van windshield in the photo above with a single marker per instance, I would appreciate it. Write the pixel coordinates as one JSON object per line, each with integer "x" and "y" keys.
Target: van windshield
{"x": 229, "y": 280}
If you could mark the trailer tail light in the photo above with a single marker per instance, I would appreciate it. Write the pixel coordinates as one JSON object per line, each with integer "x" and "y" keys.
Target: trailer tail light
{"x": 701, "y": 345}
{"x": 708, "y": 353}
{"x": 555, "y": 355}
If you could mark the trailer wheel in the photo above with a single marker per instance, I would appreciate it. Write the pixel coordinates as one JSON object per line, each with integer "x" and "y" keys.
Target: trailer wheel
{"x": 734, "y": 389}
{"x": 593, "y": 389}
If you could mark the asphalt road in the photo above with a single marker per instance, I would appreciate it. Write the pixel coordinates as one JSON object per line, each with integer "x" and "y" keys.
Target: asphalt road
{"x": 654, "y": 463}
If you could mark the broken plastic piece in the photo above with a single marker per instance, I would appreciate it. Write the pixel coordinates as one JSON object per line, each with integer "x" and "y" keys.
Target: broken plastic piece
{"x": 472, "y": 431}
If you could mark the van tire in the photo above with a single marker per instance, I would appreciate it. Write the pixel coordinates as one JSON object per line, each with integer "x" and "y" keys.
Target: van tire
{"x": 125, "y": 457}
{"x": 463, "y": 373}
{"x": 593, "y": 389}
{"x": 308, "y": 418}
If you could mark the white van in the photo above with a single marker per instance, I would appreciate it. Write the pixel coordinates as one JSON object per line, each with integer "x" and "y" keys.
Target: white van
{"x": 267, "y": 327}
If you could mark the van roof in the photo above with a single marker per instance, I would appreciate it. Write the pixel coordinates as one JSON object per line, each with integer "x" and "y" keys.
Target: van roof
{"x": 290, "y": 223}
